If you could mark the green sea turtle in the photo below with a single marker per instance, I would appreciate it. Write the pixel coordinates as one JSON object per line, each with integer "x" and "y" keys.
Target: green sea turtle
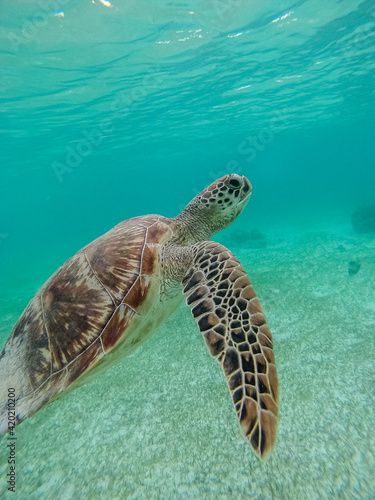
{"x": 106, "y": 299}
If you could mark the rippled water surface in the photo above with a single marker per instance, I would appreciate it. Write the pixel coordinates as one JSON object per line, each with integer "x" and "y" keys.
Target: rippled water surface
{"x": 113, "y": 110}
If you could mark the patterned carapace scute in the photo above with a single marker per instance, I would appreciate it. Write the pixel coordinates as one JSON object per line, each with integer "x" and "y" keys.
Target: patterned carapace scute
{"x": 229, "y": 315}
{"x": 82, "y": 311}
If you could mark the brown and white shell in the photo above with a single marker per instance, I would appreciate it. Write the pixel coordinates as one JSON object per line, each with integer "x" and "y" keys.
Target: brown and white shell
{"x": 92, "y": 304}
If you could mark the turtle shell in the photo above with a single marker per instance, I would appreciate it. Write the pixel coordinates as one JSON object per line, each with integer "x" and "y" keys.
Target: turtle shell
{"x": 83, "y": 311}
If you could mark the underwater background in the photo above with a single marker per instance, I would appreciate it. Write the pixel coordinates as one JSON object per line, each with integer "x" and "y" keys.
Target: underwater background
{"x": 113, "y": 110}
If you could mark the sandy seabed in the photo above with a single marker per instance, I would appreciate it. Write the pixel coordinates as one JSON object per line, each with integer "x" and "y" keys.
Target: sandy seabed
{"x": 161, "y": 425}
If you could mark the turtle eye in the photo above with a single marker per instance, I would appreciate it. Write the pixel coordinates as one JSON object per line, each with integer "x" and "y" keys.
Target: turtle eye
{"x": 234, "y": 183}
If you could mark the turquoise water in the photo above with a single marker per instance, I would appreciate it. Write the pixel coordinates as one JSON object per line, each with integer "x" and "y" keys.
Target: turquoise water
{"x": 113, "y": 111}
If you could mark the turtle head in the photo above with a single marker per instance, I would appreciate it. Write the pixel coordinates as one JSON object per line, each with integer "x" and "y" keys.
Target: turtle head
{"x": 217, "y": 206}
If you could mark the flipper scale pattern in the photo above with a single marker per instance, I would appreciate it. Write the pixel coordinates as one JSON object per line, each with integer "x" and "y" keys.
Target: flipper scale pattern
{"x": 229, "y": 315}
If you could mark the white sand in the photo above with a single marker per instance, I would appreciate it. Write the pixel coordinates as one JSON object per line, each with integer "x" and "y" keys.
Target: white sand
{"x": 160, "y": 425}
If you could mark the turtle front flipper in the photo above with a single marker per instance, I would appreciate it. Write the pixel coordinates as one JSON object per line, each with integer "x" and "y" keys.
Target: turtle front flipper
{"x": 229, "y": 315}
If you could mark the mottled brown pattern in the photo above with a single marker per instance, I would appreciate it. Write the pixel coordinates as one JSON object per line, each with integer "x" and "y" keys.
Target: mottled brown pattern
{"x": 138, "y": 293}
{"x": 76, "y": 308}
{"x": 229, "y": 315}
{"x": 115, "y": 258}
{"x": 86, "y": 359}
{"x": 150, "y": 259}
{"x": 158, "y": 232}
{"x": 30, "y": 329}
{"x": 116, "y": 327}
{"x": 77, "y": 315}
